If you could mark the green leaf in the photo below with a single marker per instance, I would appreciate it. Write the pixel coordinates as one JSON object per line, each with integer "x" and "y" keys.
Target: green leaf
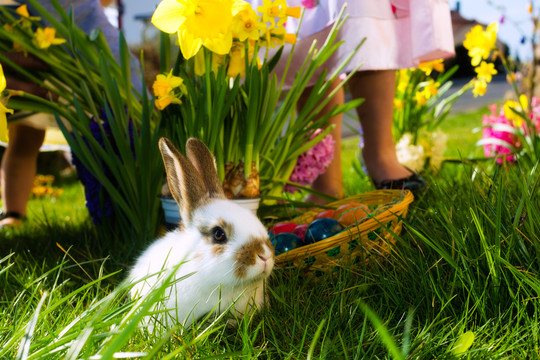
{"x": 463, "y": 343}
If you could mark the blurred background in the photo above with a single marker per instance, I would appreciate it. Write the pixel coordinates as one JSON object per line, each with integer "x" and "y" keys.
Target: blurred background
{"x": 515, "y": 29}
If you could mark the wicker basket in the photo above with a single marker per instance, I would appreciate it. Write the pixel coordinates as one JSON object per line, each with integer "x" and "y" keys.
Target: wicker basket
{"x": 359, "y": 242}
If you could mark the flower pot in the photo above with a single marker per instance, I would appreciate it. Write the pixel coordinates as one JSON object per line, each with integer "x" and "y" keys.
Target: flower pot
{"x": 250, "y": 204}
{"x": 170, "y": 208}
{"x": 172, "y": 212}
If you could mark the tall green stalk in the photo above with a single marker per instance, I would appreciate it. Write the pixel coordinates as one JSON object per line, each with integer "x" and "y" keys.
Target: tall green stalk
{"x": 90, "y": 82}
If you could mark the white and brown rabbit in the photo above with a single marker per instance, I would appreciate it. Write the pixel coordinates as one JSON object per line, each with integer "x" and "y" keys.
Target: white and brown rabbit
{"x": 223, "y": 250}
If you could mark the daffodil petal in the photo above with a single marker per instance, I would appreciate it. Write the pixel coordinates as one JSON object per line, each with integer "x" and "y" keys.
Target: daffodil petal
{"x": 523, "y": 101}
{"x": 239, "y": 5}
{"x": 199, "y": 63}
{"x": 2, "y": 79}
{"x": 176, "y": 81}
{"x": 220, "y": 46}
{"x": 3, "y": 127}
{"x": 295, "y": 11}
{"x": 168, "y": 16}
{"x": 188, "y": 44}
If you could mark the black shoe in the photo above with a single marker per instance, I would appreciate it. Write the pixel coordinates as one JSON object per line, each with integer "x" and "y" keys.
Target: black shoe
{"x": 11, "y": 214}
{"x": 412, "y": 182}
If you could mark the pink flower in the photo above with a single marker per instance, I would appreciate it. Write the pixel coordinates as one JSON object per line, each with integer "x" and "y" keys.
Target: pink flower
{"x": 309, "y": 4}
{"x": 495, "y": 140}
{"x": 312, "y": 163}
{"x": 535, "y": 114}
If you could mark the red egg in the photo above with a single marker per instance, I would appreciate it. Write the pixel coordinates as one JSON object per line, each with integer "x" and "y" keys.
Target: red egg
{"x": 300, "y": 231}
{"x": 283, "y": 227}
{"x": 350, "y": 213}
{"x": 324, "y": 214}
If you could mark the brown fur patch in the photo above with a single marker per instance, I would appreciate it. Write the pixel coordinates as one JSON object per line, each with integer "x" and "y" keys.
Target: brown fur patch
{"x": 218, "y": 249}
{"x": 247, "y": 255}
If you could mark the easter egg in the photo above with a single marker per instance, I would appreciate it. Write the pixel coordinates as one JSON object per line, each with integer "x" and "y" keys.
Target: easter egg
{"x": 324, "y": 214}
{"x": 321, "y": 229}
{"x": 350, "y": 213}
{"x": 283, "y": 227}
{"x": 272, "y": 237}
{"x": 285, "y": 242}
{"x": 300, "y": 231}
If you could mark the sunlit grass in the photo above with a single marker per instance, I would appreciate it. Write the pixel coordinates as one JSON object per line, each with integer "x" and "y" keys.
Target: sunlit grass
{"x": 468, "y": 259}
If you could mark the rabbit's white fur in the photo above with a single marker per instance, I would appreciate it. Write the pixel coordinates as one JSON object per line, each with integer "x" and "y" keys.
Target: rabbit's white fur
{"x": 219, "y": 273}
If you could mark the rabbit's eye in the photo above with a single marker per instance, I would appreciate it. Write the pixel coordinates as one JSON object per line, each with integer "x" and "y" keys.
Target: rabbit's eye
{"x": 219, "y": 236}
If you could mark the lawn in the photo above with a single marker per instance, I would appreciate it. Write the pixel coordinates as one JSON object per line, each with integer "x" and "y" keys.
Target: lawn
{"x": 465, "y": 268}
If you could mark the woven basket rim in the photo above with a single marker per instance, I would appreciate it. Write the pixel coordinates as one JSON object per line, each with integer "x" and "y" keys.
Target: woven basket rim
{"x": 370, "y": 224}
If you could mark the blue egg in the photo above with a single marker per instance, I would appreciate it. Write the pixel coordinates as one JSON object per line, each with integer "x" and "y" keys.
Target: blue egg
{"x": 272, "y": 237}
{"x": 321, "y": 229}
{"x": 285, "y": 242}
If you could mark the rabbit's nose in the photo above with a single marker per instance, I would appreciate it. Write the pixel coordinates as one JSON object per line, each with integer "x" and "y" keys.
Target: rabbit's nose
{"x": 263, "y": 258}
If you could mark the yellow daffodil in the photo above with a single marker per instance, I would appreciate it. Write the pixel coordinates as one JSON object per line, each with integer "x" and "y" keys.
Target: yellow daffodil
{"x": 200, "y": 66}
{"x": 45, "y": 37}
{"x": 199, "y": 23}
{"x": 290, "y": 38}
{"x": 480, "y": 87}
{"x": 164, "y": 84}
{"x": 480, "y": 42}
{"x": 403, "y": 77}
{"x": 520, "y": 106}
{"x": 485, "y": 71}
{"x": 237, "y": 62}
{"x": 431, "y": 89}
{"x": 23, "y": 10}
{"x": 277, "y": 36}
{"x": 420, "y": 98}
{"x": 398, "y": 104}
{"x": 25, "y": 16}
{"x": 164, "y": 89}
{"x": 3, "y": 108}
{"x": 271, "y": 10}
{"x": 246, "y": 25}
{"x": 163, "y": 101}
{"x": 428, "y": 66}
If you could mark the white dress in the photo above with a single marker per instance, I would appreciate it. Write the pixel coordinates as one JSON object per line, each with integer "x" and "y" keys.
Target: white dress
{"x": 399, "y": 33}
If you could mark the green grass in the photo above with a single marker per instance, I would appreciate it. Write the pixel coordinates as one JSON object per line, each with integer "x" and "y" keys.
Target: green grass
{"x": 464, "y": 130}
{"x": 467, "y": 260}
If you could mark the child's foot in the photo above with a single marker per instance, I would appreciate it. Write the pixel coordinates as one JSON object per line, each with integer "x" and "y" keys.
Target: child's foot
{"x": 11, "y": 219}
{"x": 388, "y": 173}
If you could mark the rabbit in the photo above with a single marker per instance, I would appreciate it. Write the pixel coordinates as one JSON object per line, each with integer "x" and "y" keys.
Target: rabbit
{"x": 221, "y": 252}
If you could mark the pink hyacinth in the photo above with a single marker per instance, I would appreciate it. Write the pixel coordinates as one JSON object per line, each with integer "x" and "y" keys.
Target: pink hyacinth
{"x": 535, "y": 114}
{"x": 309, "y": 4}
{"x": 312, "y": 163}
{"x": 498, "y": 150}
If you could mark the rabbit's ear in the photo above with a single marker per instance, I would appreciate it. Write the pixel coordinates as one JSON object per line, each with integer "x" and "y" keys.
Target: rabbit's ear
{"x": 185, "y": 183}
{"x": 205, "y": 163}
